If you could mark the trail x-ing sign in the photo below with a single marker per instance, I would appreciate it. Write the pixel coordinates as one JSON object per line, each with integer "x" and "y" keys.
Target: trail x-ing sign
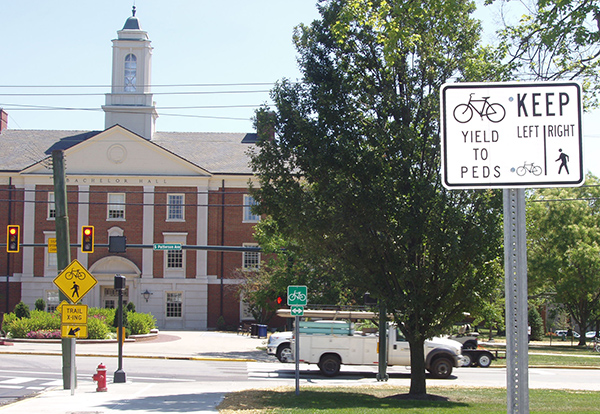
{"x": 511, "y": 135}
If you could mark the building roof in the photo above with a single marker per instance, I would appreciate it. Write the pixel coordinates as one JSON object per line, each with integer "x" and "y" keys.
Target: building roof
{"x": 217, "y": 153}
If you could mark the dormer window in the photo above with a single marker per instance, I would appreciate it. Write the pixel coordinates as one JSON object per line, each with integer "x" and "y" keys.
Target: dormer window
{"x": 130, "y": 72}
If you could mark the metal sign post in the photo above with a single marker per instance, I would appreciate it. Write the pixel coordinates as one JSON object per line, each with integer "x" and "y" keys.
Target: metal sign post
{"x": 515, "y": 269}
{"x": 297, "y": 352}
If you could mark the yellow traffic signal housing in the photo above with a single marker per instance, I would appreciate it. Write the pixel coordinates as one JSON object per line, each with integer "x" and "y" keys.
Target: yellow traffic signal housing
{"x": 87, "y": 239}
{"x": 13, "y": 238}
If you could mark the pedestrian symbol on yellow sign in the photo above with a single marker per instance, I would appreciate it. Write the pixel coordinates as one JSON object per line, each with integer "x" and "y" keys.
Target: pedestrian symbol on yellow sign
{"x": 75, "y": 281}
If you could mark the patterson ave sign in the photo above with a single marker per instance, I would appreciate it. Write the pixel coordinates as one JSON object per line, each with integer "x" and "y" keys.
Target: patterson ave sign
{"x": 511, "y": 135}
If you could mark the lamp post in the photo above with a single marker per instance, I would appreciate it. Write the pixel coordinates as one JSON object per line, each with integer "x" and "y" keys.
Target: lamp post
{"x": 120, "y": 376}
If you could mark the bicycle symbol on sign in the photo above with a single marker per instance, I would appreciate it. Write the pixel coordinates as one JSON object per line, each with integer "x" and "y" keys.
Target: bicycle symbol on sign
{"x": 494, "y": 112}
{"x": 75, "y": 273}
{"x": 530, "y": 168}
{"x": 297, "y": 296}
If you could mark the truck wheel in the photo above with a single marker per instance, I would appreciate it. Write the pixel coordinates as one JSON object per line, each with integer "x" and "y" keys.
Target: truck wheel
{"x": 485, "y": 360}
{"x": 441, "y": 368}
{"x": 284, "y": 353}
{"x": 467, "y": 361}
{"x": 330, "y": 365}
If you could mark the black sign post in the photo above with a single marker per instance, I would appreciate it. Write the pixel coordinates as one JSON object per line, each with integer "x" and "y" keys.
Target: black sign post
{"x": 120, "y": 376}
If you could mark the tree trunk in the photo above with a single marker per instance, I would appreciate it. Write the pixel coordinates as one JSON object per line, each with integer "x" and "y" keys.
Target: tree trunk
{"x": 418, "y": 384}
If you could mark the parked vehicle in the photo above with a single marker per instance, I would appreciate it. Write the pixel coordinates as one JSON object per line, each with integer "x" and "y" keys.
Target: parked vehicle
{"x": 565, "y": 333}
{"x": 344, "y": 346}
{"x": 279, "y": 344}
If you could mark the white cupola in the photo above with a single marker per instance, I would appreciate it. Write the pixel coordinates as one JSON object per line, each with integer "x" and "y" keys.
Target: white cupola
{"x": 130, "y": 102}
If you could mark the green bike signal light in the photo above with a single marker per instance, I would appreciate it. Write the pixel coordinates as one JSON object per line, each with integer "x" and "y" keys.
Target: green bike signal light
{"x": 87, "y": 239}
{"x": 13, "y": 238}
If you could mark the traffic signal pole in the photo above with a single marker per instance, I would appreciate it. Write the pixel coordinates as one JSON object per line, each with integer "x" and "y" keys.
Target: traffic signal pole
{"x": 63, "y": 256}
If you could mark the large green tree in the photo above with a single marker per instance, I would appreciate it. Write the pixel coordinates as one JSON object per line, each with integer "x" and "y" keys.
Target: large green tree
{"x": 557, "y": 40}
{"x": 352, "y": 171}
{"x": 564, "y": 248}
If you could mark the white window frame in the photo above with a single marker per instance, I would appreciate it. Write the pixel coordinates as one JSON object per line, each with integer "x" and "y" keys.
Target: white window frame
{"x": 174, "y": 259}
{"x": 174, "y": 272}
{"x": 174, "y": 208}
{"x": 248, "y": 216}
{"x": 250, "y": 260}
{"x": 115, "y": 206}
{"x": 168, "y": 309}
{"x": 51, "y": 206}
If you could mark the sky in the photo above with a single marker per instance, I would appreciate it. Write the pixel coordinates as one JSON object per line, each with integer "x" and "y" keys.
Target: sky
{"x": 219, "y": 57}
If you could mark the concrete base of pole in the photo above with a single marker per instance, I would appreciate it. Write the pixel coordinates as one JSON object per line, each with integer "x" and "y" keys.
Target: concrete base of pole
{"x": 119, "y": 377}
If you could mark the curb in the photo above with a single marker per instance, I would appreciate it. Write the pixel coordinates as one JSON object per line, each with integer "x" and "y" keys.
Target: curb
{"x": 179, "y": 358}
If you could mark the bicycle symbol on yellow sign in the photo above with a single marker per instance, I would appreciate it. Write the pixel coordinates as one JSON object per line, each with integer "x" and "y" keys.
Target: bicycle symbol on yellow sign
{"x": 75, "y": 281}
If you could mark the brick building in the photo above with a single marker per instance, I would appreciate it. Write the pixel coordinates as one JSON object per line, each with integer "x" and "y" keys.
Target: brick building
{"x": 129, "y": 180}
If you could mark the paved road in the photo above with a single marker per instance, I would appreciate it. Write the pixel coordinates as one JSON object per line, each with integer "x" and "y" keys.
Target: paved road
{"x": 211, "y": 364}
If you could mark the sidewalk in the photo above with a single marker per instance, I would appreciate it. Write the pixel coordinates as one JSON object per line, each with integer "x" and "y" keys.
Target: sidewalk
{"x": 189, "y": 397}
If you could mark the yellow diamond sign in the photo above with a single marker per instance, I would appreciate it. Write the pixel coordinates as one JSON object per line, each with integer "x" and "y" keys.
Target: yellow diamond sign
{"x": 75, "y": 281}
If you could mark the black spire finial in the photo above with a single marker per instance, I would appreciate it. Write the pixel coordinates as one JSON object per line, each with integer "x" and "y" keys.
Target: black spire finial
{"x": 133, "y": 10}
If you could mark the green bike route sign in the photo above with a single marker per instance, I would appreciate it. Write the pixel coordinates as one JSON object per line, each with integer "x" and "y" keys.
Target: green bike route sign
{"x": 297, "y": 296}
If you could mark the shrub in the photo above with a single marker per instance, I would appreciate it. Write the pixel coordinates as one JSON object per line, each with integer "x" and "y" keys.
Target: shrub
{"x": 130, "y": 307}
{"x": 97, "y": 329}
{"x": 140, "y": 323}
{"x": 536, "y": 323}
{"x": 22, "y": 311}
{"x": 40, "y": 304}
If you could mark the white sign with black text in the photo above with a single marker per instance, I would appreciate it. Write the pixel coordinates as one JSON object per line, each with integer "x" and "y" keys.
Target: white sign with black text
{"x": 511, "y": 135}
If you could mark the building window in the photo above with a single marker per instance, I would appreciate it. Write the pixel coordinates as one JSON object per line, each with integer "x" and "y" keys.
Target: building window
{"x": 116, "y": 206}
{"x": 251, "y": 260}
{"x": 51, "y": 207}
{"x": 52, "y": 300}
{"x": 130, "y": 72}
{"x": 249, "y": 217}
{"x": 175, "y": 208}
{"x": 174, "y": 304}
{"x": 174, "y": 259}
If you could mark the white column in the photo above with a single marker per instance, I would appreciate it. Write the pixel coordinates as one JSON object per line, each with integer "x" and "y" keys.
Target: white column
{"x": 28, "y": 230}
{"x": 148, "y": 231}
{"x": 202, "y": 232}
{"x": 83, "y": 219}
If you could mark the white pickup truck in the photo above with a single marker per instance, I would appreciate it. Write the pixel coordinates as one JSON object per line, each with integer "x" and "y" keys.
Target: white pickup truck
{"x": 329, "y": 350}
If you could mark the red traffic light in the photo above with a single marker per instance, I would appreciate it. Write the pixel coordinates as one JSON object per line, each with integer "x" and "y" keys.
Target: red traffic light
{"x": 87, "y": 239}
{"x": 13, "y": 238}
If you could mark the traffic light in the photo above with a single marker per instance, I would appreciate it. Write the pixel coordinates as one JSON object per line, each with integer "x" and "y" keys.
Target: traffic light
{"x": 280, "y": 300}
{"x": 87, "y": 239}
{"x": 13, "y": 238}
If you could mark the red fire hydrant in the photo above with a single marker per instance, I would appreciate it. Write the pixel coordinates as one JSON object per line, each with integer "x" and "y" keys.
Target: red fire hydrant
{"x": 100, "y": 376}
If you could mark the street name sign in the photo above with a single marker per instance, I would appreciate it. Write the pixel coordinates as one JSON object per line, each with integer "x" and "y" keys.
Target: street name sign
{"x": 75, "y": 281}
{"x": 167, "y": 246}
{"x": 297, "y": 295}
{"x": 511, "y": 135}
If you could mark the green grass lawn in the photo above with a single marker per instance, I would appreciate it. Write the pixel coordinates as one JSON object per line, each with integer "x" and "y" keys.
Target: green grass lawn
{"x": 387, "y": 399}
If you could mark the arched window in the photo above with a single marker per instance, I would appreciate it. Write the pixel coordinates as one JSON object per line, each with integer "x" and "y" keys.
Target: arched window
{"x": 130, "y": 72}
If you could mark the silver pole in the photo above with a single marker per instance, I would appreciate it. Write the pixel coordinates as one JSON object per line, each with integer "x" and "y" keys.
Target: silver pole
{"x": 515, "y": 270}
{"x": 297, "y": 352}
